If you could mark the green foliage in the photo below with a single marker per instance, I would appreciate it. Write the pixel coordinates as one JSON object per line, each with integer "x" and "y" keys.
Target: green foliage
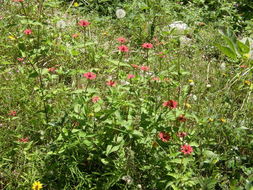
{"x": 235, "y": 49}
{"x": 78, "y": 113}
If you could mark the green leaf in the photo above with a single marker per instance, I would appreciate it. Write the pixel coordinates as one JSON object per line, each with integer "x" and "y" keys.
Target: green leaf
{"x": 243, "y": 48}
{"x": 210, "y": 154}
{"x": 227, "y": 51}
{"x": 33, "y": 74}
{"x": 137, "y": 133}
{"x": 5, "y": 62}
{"x": 110, "y": 149}
{"x": 194, "y": 144}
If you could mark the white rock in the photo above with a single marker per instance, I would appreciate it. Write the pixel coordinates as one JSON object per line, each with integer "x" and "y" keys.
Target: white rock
{"x": 179, "y": 25}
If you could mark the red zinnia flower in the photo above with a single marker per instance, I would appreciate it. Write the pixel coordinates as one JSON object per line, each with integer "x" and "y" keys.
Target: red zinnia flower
{"x": 111, "y": 83}
{"x": 52, "y": 69}
{"x": 170, "y": 104}
{"x": 75, "y": 35}
{"x": 145, "y": 68}
{"x": 20, "y": 59}
{"x": 186, "y": 149}
{"x": 90, "y": 75}
{"x": 123, "y": 48}
{"x": 243, "y": 66}
{"x": 182, "y": 118}
{"x": 147, "y": 45}
{"x": 135, "y": 66}
{"x": 24, "y": 140}
{"x": 28, "y": 31}
{"x": 156, "y": 78}
{"x": 18, "y": 0}
{"x": 130, "y": 76}
{"x": 83, "y": 23}
{"x": 122, "y": 40}
{"x": 165, "y": 137}
{"x": 95, "y": 99}
{"x": 181, "y": 134}
{"x": 12, "y": 113}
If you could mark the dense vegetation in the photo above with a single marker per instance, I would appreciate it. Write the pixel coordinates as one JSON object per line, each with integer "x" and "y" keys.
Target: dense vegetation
{"x": 120, "y": 94}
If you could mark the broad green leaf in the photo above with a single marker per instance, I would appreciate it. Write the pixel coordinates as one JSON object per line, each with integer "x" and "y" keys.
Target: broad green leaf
{"x": 243, "y": 48}
{"x": 227, "y": 51}
{"x": 6, "y": 62}
{"x": 33, "y": 74}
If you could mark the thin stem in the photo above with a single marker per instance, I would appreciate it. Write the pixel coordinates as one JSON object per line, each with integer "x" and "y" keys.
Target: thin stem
{"x": 42, "y": 93}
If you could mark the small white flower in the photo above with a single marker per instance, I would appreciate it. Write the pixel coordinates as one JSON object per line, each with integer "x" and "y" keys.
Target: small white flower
{"x": 149, "y": 73}
{"x": 179, "y": 25}
{"x": 123, "y": 82}
{"x": 139, "y": 186}
{"x": 120, "y": 13}
{"x": 223, "y": 66}
{"x": 208, "y": 85}
{"x": 127, "y": 179}
{"x": 193, "y": 96}
{"x": 110, "y": 78}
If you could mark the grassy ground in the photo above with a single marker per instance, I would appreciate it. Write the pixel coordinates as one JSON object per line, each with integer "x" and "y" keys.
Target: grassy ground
{"x": 93, "y": 101}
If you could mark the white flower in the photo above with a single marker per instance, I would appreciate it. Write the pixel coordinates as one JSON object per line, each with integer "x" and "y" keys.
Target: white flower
{"x": 110, "y": 78}
{"x": 191, "y": 83}
{"x": 194, "y": 97}
{"x": 127, "y": 179}
{"x": 179, "y": 25}
{"x": 223, "y": 66}
{"x": 120, "y": 13}
{"x": 123, "y": 82}
{"x": 208, "y": 85}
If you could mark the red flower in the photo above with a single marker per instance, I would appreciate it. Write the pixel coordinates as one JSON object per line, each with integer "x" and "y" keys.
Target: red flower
{"x": 135, "y": 66}
{"x": 144, "y": 68}
{"x": 20, "y": 59}
{"x": 12, "y": 113}
{"x": 170, "y": 104}
{"x": 90, "y": 75}
{"x": 28, "y": 31}
{"x": 156, "y": 78}
{"x": 123, "y": 48}
{"x": 147, "y": 45}
{"x": 18, "y": 0}
{"x": 51, "y": 69}
{"x": 75, "y": 35}
{"x": 130, "y": 76}
{"x": 122, "y": 40}
{"x": 182, "y": 118}
{"x": 83, "y": 23}
{"x": 111, "y": 83}
{"x": 165, "y": 137}
{"x": 181, "y": 134}
{"x": 24, "y": 140}
{"x": 186, "y": 149}
{"x": 243, "y": 66}
{"x": 95, "y": 99}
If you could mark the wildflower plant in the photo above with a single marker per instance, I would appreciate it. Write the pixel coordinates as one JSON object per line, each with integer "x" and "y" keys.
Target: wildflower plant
{"x": 101, "y": 95}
